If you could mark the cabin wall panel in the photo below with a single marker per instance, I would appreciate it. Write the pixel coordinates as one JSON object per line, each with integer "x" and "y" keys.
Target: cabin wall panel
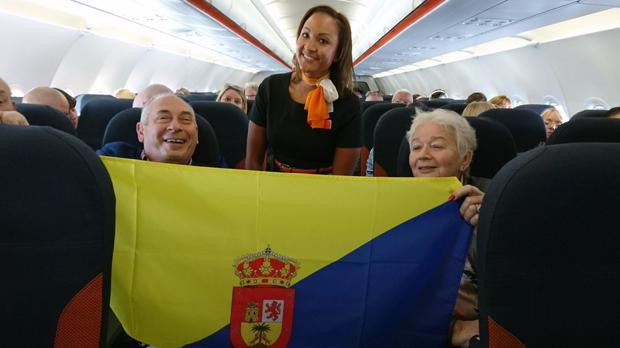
{"x": 32, "y": 51}
{"x": 96, "y": 64}
{"x": 571, "y": 70}
{"x": 586, "y": 67}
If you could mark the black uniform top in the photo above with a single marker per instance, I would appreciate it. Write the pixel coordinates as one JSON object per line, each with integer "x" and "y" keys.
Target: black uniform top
{"x": 290, "y": 139}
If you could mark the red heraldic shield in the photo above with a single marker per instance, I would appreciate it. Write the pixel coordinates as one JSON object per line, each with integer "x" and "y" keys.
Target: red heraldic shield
{"x": 261, "y": 316}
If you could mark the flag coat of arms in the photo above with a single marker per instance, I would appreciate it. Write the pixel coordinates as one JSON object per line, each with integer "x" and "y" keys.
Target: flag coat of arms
{"x": 377, "y": 260}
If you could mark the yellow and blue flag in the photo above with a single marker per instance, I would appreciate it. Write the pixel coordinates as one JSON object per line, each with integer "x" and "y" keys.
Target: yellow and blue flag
{"x": 379, "y": 259}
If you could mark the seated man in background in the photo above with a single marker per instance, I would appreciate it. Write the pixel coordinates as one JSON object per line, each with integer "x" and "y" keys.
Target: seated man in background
{"x": 374, "y": 96}
{"x": 167, "y": 130}
{"x": 8, "y": 115}
{"x": 52, "y": 98}
{"x": 402, "y": 96}
{"x": 149, "y": 92}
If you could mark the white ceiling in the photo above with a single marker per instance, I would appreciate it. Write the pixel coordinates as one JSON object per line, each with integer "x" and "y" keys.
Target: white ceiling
{"x": 453, "y": 26}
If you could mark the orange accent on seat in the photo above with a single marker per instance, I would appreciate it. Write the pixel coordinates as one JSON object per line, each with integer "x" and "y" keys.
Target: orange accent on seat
{"x": 502, "y": 338}
{"x": 79, "y": 324}
{"x": 364, "y": 153}
{"x": 379, "y": 171}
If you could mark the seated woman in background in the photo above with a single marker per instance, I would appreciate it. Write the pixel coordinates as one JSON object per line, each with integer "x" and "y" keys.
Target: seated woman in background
{"x": 442, "y": 145}
{"x": 233, "y": 95}
{"x": 309, "y": 121}
{"x": 501, "y": 102}
{"x": 552, "y": 119}
{"x": 474, "y": 109}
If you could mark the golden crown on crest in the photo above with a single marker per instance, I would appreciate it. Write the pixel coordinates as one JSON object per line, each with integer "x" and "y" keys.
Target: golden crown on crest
{"x": 266, "y": 268}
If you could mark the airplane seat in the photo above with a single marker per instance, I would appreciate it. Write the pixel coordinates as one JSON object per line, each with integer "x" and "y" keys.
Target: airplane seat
{"x": 367, "y": 104}
{"x": 527, "y": 127}
{"x": 456, "y": 107}
{"x": 369, "y": 120}
{"x": 95, "y": 117}
{"x": 194, "y": 97}
{"x": 537, "y": 108}
{"x": 43, "y": 115}
{"x": 122, "y": 127}
{"x": 231, "y": 128}
{"x": 17, "y": 100}
{"x": 436, "y": 103}
{"x": 496, "y": 147}
{"x": 83, "y": 99}
{"x": 389, "y": 132}
{"x": 589, "y": 114}
{"x": 387, "y": 98}
{"x": 58, "y": 219}
{"x": 548, "y": 266}
{"x": 591, "y": 130}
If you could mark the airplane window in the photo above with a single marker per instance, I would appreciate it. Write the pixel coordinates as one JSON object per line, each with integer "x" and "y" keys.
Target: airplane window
{"x": 595, "y": 103}
{"x": 552, "y": 101}
{"x": 16, "y": 91}
{"x": 517, "y": 100}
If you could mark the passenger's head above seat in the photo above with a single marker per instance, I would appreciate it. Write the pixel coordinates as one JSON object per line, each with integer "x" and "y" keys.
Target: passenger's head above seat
{"x": 50, "y": 97}
{"x": 552, "y": 119}
{"x": 442, "y": 144}
{"x": 149, "y": 92}
{"x": 6, "y": 104}
{"x": 234, "y": 95}
{"x": 168, "y": 130}
{"x": 402, "y": 96}
{"x": 614, "y": 112}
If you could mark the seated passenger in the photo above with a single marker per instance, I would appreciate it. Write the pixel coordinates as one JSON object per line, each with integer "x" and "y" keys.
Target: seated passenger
{"x": 50, "y": 97}
{"x": 149, "y": 92}
{"x": 501, "y": 102}
{"x": 234, "y": 95}
{"x": 442, "y": 145}
{"x": 402, "y": 96}
{"x": 182, "y": 91}
{"x": 474, "y": 109}
{"x": 167, "y": 130}
{"x": 614, "y": 112}
{"x": 552, "y": 119}
{"x": 374, "y": 96}
{"x": 250, "y": 90}
{"x": 8, "y": 115}
{"x": 476, "y": 97}
{"x": 73, "y": 117}
{"x": 124, "y": 93}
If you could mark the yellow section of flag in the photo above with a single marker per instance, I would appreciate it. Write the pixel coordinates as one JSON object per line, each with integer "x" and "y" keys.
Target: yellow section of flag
{"x": 180, "y": 228}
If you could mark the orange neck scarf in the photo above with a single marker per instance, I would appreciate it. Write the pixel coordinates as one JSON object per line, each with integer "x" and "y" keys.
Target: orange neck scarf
{"x": 316, "y": 105}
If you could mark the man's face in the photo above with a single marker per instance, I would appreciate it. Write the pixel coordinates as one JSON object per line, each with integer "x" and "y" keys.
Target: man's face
{"x": 170, "y": 134}
{"x": 6, "y": 104}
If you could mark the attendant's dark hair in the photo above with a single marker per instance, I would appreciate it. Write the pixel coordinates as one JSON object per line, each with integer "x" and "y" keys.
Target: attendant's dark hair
{"x": 341, "y": 71}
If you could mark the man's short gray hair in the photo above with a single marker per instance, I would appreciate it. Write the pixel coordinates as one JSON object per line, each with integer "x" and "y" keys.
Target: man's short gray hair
{"x": 144, "y": 115}
{"x": 464, "y": 133}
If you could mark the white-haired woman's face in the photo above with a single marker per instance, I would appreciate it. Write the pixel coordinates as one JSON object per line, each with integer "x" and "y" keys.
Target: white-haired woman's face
{"x": 434, "y": 152}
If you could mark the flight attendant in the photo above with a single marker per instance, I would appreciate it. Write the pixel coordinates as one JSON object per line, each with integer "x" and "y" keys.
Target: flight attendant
{"x": 309, "y": 121}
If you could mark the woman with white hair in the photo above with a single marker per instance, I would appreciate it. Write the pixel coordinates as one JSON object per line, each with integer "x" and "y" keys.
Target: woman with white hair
{"x": 442, "y": 144}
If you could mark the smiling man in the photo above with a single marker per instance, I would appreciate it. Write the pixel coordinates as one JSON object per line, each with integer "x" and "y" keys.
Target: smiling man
{"x": 167, "y": 131}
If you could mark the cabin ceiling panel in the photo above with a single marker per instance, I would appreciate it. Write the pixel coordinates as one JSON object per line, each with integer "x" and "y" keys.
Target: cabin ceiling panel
{"x": 458, "y": 25}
